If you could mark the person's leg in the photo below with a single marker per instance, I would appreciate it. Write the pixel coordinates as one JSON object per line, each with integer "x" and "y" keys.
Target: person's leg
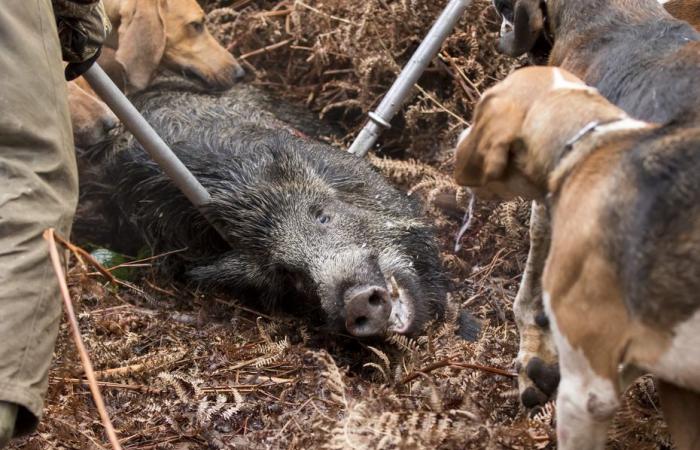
{"x": 38, "y": 189}
{"x": 8, "y": 417}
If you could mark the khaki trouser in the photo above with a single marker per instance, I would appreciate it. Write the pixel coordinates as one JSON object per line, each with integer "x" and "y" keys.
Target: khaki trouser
{"x": 38, "y": 189}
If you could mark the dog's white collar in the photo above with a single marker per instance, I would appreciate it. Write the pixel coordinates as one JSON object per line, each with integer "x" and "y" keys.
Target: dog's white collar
{"x": 599, "y": 128}
{"x": 571, "y": 156}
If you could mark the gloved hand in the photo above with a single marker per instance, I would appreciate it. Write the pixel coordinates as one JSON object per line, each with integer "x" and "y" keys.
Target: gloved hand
{"x": 82, "y": 28}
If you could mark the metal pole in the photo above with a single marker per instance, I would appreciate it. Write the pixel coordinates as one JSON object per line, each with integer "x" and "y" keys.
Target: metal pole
{"x": 146, "y": 136}
{"x": 151, "y": 142}
{"x": 395, "y": 98}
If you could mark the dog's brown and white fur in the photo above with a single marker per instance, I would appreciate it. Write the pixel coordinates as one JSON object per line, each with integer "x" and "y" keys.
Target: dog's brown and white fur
{"x": 640, "y": 58}
{"x": 622, "y": 277}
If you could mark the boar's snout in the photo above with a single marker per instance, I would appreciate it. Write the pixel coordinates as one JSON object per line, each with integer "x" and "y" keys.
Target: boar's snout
{"x": 367, "y": 311}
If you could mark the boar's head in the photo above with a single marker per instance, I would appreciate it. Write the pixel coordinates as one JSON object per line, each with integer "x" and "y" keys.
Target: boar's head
{"x": 309, "y": 221}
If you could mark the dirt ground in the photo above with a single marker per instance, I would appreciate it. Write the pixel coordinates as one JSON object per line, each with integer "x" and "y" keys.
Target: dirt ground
{"x": 183, "y": 369}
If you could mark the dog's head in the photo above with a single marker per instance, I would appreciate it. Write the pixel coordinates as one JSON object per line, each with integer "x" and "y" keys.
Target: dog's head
{"x": 532, "y": 26}
{"x": 517, "y": 125}
{"x": 172, "y": 34}
{"x": 529, "y": 34}
{"x": 91, "y": 118}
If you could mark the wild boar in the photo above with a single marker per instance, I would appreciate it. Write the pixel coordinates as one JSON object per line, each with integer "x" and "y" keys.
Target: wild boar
{"x": 308, "y": 222}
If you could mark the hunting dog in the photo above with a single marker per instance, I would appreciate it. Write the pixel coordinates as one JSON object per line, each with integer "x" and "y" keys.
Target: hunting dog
{"x": 90, "y": 117}
{"x": 172, "y": 34}
{"x": 621, "y": 281}
{"x": 149, "y": 35}
{"x": 638, "y": 57}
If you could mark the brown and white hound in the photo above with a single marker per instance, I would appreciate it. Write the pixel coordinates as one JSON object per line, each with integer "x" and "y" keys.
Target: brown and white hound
{"x": 172, "y": 34}
{"x": 149, "y": 35}
{"x": 90, "y": 118}
{"x": 622, "y": 278}
{"x": 640, "y": 58}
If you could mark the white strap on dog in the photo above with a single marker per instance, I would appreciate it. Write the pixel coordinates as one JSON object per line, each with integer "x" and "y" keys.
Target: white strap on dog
{"x": 589, "y": 127}
{"x": 623, "y": 123}
{"x": 570, "y": 157}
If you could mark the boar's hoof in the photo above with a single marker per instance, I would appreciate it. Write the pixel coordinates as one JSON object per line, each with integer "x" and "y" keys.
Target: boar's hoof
{"x": 468, "y": 327}
{"x": 367, "y": 311}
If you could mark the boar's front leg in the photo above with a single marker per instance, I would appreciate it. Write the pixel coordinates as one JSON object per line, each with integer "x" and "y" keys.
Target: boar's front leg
{"x": 239, "y": 271}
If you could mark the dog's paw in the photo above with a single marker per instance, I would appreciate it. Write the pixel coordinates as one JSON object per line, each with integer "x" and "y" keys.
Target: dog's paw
{"x": 537, "y": 366}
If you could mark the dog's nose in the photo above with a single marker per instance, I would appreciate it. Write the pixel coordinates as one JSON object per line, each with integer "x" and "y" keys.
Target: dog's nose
{"x": 227, "y": 77}
{"x": 238, "y": 72}
{"x": 504, "y": 8}
{"x": 109, "y": 122}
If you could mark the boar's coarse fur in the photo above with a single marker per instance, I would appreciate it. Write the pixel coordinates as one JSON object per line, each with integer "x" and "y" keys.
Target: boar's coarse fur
{"x": 310, "y": 223}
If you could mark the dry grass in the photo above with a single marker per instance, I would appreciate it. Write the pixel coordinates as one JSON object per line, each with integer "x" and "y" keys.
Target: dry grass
{"x": 182, "y": 369}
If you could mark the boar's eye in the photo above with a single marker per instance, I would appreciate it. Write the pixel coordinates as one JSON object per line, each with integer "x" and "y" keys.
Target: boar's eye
{"x": 323, "y": 218}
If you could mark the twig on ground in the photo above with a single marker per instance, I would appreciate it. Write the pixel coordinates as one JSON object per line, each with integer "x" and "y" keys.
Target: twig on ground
{"x": 243, "y": 308}
{"x": 83, "y": 254}
{"x": 138, "y": 262}
{"x": 450, "y": 60}
{"x": 330, "y": 16}
{"x": 440, "y": 105}
{"x": 276, "y": 13}
{"x": 265, "y": 49}
{"x": 82, "y": 432}
{"x": 51, "y": 237}
{"x": 160, "y": 289}
{"x": 107, "y": 384}
{"x": 240, "y": 4}
{"x": 449, "y": 363}
{"x": 80, "y": 253}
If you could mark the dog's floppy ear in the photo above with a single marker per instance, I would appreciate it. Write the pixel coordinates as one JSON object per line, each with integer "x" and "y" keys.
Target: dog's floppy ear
{"x": 528, "y": 23}
{"x": 484, "y": 153}
{"x": 141, "y": 41}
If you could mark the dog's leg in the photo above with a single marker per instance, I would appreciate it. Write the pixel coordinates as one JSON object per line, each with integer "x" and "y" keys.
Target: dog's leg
{"x": 538, "y": 373}
{"x": 587, "y": 399}
{"x": 681, "y": 409}
{"x": 586, "y": 404}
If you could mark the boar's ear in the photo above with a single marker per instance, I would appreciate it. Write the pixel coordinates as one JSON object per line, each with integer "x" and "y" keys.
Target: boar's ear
{"x": 528, "y": 22}
{"x": 141, "y": 41}
{"x": 483, "y": 155}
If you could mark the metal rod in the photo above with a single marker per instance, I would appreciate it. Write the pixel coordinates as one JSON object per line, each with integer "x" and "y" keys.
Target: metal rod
{"x": 151, "y": 142}
{"x": 397, "y": 95}
{"x": 146, "y": 136}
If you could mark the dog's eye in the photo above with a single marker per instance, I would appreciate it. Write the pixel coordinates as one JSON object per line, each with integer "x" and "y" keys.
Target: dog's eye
{"x": 198, "y": 27}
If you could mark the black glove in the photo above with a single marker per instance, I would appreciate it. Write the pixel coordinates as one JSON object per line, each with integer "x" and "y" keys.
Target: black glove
{"x": 82, "y": 28}
{"x": 74, "y": 70}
